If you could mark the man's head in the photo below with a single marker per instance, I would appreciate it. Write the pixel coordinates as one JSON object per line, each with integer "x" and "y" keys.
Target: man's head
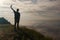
{"x": 17, "y": 10}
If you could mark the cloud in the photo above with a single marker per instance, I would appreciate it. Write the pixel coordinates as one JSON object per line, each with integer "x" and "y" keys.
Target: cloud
{"x": 24, "y": 0}
{"x": 32, "y": 1}
{"x": 49, "y": 10}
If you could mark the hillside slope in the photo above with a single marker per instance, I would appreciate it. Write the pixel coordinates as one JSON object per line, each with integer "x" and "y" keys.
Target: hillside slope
{"x": 21, "y": 34}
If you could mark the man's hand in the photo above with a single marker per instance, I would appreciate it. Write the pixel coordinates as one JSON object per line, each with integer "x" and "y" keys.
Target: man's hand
{"x": 11, "y": 6}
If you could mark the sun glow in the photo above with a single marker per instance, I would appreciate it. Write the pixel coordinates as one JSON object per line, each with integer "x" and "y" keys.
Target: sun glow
{"x": 1, "y": 2}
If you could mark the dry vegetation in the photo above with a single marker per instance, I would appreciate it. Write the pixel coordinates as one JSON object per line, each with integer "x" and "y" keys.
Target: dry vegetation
{"x": 21, "y": 34}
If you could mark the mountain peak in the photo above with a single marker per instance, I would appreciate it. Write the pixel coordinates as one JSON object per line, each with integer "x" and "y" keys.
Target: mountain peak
{"x": 4, "y": 21}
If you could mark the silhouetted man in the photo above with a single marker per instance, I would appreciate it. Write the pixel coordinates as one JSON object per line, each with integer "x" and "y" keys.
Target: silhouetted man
{"x": 16, "y": 17}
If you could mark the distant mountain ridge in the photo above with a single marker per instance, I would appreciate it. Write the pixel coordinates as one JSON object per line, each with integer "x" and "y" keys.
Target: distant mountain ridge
{"x": 4, "y": 21}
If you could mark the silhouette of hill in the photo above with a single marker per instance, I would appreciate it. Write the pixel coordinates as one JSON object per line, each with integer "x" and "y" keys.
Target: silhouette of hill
{"x": 22, "y": 34}
{"x": 4, "y": 21}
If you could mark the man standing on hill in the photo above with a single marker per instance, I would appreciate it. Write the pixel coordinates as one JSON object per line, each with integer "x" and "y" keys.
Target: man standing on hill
{"x": 16, "y": 17}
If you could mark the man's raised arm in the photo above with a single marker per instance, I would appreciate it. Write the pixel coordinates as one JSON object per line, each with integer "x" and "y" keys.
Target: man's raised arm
{"x": 12, "y": 8}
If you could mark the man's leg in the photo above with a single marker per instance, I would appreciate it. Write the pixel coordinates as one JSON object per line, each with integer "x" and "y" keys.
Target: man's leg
{"x": 18, "y": 23}
{"x": 15, "y": 26}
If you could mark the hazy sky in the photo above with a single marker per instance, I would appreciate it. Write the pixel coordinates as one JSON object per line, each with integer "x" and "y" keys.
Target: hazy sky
{"x": 31, "y": 10}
